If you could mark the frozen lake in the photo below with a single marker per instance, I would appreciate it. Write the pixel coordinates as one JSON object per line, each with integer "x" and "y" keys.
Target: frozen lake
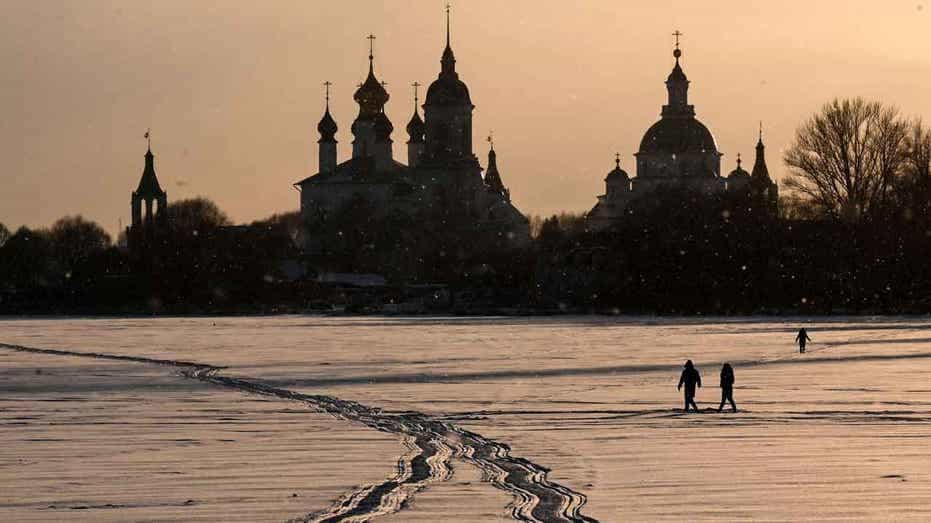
{"x": 449, "y": 419}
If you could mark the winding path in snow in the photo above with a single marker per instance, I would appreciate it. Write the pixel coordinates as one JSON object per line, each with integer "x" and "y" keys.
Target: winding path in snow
{"x": 432, "y": 445}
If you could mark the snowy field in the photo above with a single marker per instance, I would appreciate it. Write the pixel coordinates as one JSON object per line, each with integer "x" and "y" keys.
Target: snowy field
{"x": 467, "y": 420}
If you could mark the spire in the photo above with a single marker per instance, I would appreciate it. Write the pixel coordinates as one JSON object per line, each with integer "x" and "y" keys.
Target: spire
{"x": 327, "y": 126}
{"x": 617, "y": 160}
{"x": 492, "y": 176}
{"x": 738, "y": 160}
{"x": 148, "y": 184}
{"x": 760, "y": 171}
{"x": 447, "y": 24}
{"x": 371, "y": 39}
{"x": 449, "y": 59}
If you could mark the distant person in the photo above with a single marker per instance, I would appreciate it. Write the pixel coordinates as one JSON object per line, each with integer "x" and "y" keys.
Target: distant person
{"x": 802, "y": 339}
{"x": 727, "y": 387}
{"x": 690, "y": 378}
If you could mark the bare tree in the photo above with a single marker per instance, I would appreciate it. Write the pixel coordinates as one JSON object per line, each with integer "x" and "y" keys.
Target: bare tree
{"x": 846, "y": 158}
{"x": 74, "y": 240}
{"x": 915, "y": 186}
{"x": 4, "y": 234}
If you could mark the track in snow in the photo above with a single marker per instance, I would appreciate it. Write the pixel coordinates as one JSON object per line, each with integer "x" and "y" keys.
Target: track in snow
{"x": 432, "y": 445}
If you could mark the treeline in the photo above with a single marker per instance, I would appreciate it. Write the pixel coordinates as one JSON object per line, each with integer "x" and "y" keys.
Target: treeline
{"x": 851, "y": 235}
{"x": 200, "y": 264}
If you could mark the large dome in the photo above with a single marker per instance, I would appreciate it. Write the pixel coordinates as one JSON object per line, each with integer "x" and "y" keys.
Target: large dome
{"x": 678, "y": 135}
{"x": 448, "y": 91}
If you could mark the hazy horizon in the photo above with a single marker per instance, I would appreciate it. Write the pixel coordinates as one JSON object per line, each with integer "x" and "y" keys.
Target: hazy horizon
{"x": 233, "y": 91}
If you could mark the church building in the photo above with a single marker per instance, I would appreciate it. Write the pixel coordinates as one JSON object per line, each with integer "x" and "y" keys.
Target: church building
{"x": 442, "y": 175}
{"x": 149, "y": 205}
{"x": 680, "y": 152}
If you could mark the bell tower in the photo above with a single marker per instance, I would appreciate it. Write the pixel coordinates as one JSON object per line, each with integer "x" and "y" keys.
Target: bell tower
{"x": 149, "y": 205}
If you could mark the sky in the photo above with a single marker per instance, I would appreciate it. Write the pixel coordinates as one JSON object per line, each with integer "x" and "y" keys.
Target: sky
{"x": 233, "y": 90}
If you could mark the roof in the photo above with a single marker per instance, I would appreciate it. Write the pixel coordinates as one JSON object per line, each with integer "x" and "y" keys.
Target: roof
{"x": 148, "y": 184}
{"x": 448, "y": 89}
{"x": 678, "y": 135}
{"x": 361, "y": 170}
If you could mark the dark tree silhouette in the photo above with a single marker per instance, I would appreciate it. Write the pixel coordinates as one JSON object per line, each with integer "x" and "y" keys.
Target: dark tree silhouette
{"x": 289, "y": 221}
{"x": 4, "y": 234}
{"x": 75, "y": 240}
{"x": 914, "y": 188}
{"x": 25, "y": 260}
{"x": 846, "y": 157}
{"x": 196, "y": 216}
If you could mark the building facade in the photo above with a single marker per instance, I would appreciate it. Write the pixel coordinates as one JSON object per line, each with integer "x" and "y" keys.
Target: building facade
{"x": 680, "y": 152}
{"x": 441, "y": 177}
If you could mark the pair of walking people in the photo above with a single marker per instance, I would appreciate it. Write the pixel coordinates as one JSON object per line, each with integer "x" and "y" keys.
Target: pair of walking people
{"x": 691, "y": 379}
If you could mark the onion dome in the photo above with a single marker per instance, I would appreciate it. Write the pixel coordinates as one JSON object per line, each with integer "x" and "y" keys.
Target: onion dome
{"x": 448, "y": 89}
{"x": 327, "y": 127}
{"x": 383, "y": 127}
{"x": 416, "y": 129}
{"x": 739, "y": 172}
{"x": 371, "y": 95}
{"x": 617, "y": 173}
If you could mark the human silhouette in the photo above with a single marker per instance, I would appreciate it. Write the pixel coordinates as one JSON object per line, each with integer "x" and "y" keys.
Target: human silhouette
{"x": 727, "y": 387}
{"x": 690, "y": 378}
{"x": 802, "y": 338}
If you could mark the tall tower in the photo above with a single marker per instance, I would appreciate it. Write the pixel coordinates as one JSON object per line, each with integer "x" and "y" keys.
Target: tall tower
{"x": 492, "y": 176}
{"x": 372, "y": 128}
{"x": 327, "y": 142}
{"x": 760, "y": 182}
{"x": 152, "y": 219}
{"x": 448, "y": 112}
{"x": 415, "y": 132}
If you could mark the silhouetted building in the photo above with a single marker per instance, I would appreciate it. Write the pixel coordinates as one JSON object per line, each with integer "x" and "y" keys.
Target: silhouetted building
{"x": 739, "y": 178}
{"x": 678, "y": 152}
{"x": 149, "y": 209}
{"x": 442, "y": 179}
{"x": 761, "y": 185}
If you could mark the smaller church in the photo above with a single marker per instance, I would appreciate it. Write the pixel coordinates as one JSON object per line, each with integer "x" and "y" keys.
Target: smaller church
{"x": 442, "y": 177}
{"x": 149, "y": 204}
{"x": 680, "y": 152}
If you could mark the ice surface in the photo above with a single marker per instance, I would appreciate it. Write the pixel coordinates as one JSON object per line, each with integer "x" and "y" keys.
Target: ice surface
{"x": 840, "y": 433}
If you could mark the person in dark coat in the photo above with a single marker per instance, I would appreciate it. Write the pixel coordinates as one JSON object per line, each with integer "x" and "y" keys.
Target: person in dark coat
{"x": 727, "y": 387}
{"x": 690, "y": 378}
{"x": 801, "y": 339}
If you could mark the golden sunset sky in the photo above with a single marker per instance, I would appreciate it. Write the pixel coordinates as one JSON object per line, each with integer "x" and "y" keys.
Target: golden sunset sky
{"x": 233, "y": 91}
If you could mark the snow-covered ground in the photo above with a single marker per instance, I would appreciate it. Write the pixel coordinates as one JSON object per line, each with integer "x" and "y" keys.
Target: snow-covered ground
{"x": 329, "y": 419}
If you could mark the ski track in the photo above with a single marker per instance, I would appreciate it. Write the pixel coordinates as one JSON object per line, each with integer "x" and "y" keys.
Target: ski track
{"x": 431, "y": 443}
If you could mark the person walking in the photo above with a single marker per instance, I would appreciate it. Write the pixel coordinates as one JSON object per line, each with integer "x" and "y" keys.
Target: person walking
{"x": 802, "y": 338}
{"x": 690, "y": 378}
{"x": 727, "y": 387}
